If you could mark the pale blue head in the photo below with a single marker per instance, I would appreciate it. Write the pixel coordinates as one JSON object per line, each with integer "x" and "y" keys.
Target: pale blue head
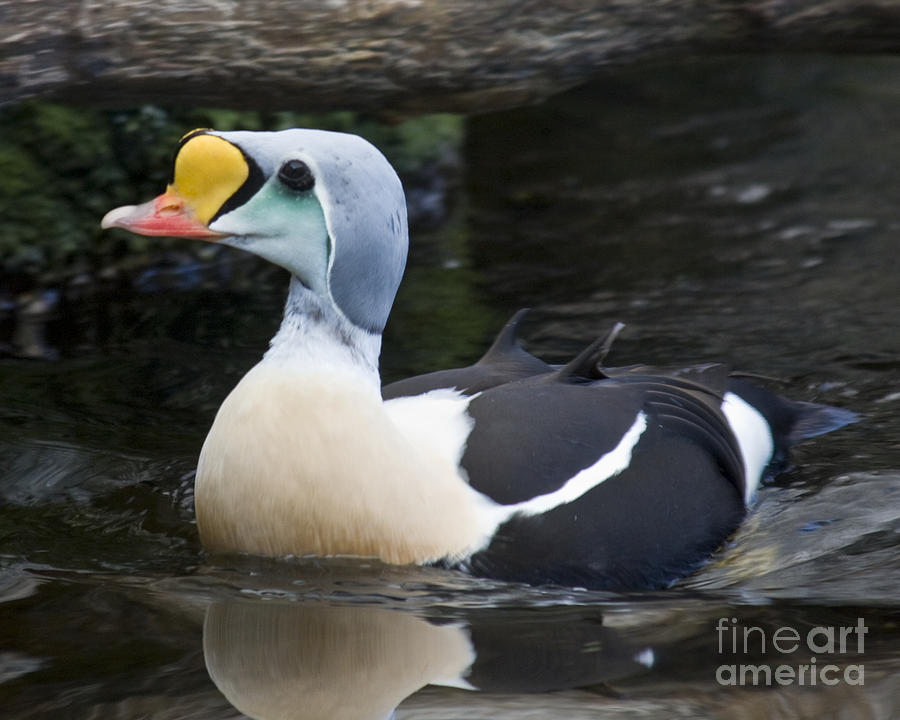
{"x": 326, "y": 206}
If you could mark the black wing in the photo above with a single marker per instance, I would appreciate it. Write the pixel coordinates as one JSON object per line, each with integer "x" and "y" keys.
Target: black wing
{"x": 677, "y": 500}
{"x": 505, "y": 361}
{"x": 537, "y": 426}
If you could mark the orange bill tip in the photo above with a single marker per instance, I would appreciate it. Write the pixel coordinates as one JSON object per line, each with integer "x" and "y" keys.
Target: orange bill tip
{"x": 167, "y": 215}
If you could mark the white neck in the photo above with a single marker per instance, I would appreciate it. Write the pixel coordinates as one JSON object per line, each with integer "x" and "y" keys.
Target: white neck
{"x": 315, "y": 333}
{"x": 304, "y": 457}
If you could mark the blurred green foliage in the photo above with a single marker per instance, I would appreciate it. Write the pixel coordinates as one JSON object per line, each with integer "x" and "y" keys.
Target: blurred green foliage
{"x": 62, "y": 168}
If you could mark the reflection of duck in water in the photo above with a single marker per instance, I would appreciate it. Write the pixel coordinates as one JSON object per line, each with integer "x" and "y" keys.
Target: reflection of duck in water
{"x": 576, "y": 476}
{"x": 278, "y": 661}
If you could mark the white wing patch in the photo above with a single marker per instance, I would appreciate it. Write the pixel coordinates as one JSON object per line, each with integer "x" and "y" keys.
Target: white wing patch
{"x": 609, "y": 465}
{"x": 436, "y": 419}
{"x": 646, "y": 657}
{"x": 754, "y": 438}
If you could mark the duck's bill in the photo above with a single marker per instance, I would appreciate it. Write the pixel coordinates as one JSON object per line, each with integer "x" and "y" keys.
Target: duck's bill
{"x": 167, "y": 215}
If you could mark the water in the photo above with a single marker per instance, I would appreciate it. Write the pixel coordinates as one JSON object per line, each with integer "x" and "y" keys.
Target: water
{"x": 740, "y": 210}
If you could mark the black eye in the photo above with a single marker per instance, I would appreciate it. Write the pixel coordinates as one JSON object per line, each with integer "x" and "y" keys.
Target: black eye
{"x": 296, "y": 175}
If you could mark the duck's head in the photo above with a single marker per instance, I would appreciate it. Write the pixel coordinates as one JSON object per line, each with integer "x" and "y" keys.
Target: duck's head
{"x": 326, "y": 206}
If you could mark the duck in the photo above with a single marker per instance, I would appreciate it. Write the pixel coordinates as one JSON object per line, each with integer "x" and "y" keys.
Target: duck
{"x": 295, "y": 659}
{"x": 576, "y": 475}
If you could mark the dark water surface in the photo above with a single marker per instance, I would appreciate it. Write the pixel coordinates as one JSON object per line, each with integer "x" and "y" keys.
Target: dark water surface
{"x": 742, "y": 210}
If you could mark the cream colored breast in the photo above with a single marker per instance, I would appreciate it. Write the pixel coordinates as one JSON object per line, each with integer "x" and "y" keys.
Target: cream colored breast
{"x": 301, "y": 660}
{"x": 310, "y": 461}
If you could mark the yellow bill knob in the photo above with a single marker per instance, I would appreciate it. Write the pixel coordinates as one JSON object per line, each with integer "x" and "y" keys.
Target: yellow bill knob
{"x": 208, "y": 171}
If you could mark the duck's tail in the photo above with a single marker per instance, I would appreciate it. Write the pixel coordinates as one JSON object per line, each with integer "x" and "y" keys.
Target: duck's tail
{"x": 790, "y": 421}
{"x": 813, "y": 419}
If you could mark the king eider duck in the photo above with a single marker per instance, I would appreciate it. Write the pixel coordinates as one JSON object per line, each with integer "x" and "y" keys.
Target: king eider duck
{"x": 577, "y": 475}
